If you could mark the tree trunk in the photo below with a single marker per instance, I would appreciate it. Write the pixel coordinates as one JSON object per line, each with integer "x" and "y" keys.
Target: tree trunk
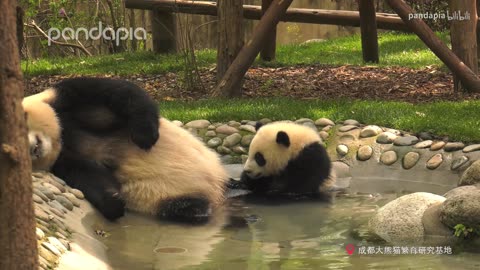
{"x": 163, "y": 31}
{"x": 463, "y": 35}
{"x": 368, "y": 28}
{"x": 468, "y": 78}
{"x": 250, "y": 50}
{"x": 268, "y": 50}
{"x": 18, "y": 244}
{"x": 230, "y": 36}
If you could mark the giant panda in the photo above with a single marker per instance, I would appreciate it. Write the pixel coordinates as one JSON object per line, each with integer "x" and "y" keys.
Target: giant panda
{"x": 105, "y": 138}
{"x": 286, "y": 161}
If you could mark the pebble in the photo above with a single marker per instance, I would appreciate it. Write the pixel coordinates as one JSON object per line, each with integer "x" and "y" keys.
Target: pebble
{"x": 246, "y": 140}
{"x": 58, "y": 180}
{"x": 42, "y": 215}
{"x": 53, "y": 188}
{"x": 323, "y": 134}
{"x": 64, "y": 202}
{"x": 225, "y": 129}
{"x": 46, "y": 192}
{"x": 434, "y": 161}
{"x": 425, "y": 136}
{"x": 386, "y": 137}
{"x": 342, "y": 149}
{"x": 37, "y": 199}
{"x": 410, "y": 160}
{"x": 57, "y": 244}
{"x": 59, "y": 186}
{"x": 423, "y": 144}
{"x": 453, "y": 146}
{"x": 347, "y": 128}
{"x": 437, "y": 145}
{"x": 51, "y": 248}
{"x": 223, "y": 150}
{"x": 471, "y": 148}
{"x": 234, "y": 124}
{"x": 303, "y": 120}
{"x": 327, "y": 128}
{"x": 214, "y": 142}
{"x": 211, "y": 127}
{"x": 77, "y": 193}
{"x": 72, "y": 199}
{"x": 265, "y": 121}
{"x": 458, "y": 162}
{"x": 405, "y": 141}
{"x": 43, "y": 263}
{"x": 232, "y": 140}
{"x": 37, "y": 192}
{"x": 351, "y": 122}
{"x": 388, "y": 158}
{"x": 248, "y": 128}
{"x": 199, "y": 124}
{"x": 210, "y": 133}
{"x": 46, "y": 254}
{"x": 370, "y": 131}
{"x": 244, "y": 159}
{"x": 239, "y": 149}
{"x": 40, "y": 234}
{"x": 364, "y": 152}
{"x": 324, "y": 122}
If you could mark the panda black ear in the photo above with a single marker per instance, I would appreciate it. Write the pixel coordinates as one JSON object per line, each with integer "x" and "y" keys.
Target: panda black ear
{"x": 283, "y": 139}
{"x": 258, "y": 125}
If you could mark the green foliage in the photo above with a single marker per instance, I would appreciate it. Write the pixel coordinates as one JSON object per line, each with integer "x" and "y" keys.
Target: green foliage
{"x": 466, "y": 232}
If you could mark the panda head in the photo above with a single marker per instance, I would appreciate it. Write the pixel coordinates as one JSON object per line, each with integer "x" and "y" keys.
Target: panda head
{"x": 275, "y": 145}
{"x": 43, "y": 131}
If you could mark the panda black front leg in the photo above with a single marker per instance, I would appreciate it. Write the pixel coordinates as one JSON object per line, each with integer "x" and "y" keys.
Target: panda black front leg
{"x": 193, "y": 210}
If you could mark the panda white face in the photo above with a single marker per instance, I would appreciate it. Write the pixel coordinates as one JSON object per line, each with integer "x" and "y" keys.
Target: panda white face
{"x": 40, "y": 145}
{"x": 255, "y": 168}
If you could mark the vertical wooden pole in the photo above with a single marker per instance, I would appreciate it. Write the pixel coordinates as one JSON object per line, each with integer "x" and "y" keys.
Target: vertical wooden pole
{"x": 268, "y": 51}
{"x": 163, "y": 31}
{"x": 463, "y": 33}
{"x": 368, "y": 28}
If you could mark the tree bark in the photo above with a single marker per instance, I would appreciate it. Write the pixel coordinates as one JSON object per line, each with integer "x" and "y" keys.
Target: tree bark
{"x": 468, "y": 78}
{"x": 163, "y": 31}
{"x": 269, "y": 48}
{"x": 18, "y": 244}
{"x": 230, "y": 36}
{"x": 368, "y": 28}
{"x": 463, "y": 35}
{"x": 250, "y": 50}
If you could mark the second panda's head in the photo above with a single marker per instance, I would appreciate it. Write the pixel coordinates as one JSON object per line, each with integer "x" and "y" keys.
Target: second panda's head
{"x": 44, "y": 130}
{"x": 275, "y": 145}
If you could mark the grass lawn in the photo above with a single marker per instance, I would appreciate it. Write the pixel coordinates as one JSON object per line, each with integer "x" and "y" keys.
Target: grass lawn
{"x": 458, "y": 120}
{"x": 396, "y": 49}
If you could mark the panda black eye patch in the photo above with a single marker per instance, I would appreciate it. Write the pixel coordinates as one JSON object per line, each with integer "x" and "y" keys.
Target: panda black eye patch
{"x": 259, "y": 159}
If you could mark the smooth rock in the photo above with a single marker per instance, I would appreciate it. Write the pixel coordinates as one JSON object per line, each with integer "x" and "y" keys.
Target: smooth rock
{"x": 453, "y": 146}
{"x": 248, "y": 128}
{"x": 388, "y": 157}
{"x": 386, "y": 138}
{"x": 342, "y": 149}
{"x": 324, "y": 122}
{"x": 37, "y": 192}
{"x": 351, "y": 122}
{"x": 72, "y": 199}
{"x": 45, "y": 191}
{"x": 303, "y": 120}
{"x": 77, "y": 193}
{"x": 37, "y": 199}
{"x": 364, "y": 152}
{"x": 239, "y": 149}
{"x": 177, "y": 123}
{"x": 265, "y": 121}
{"x": 327, "y": 128}
{"x": 347, "y": 128}
{"x": 234, "y": 124}
{"x": 51, "y": 248}
{"x": 42, "y": 215}
{"x": 223, "y": 150}
{"x": 437, "y": 145}
{"x": 232, "y": 140}
{"x": 434, "y": 161}
{"x": 425, "y": 136}
{"x": 53, "y": 188}
{"x": 462, "y": 208}
{"x": 410, "y": 160}
{"x": 244, "y": 159}
{"x": 64, "y": 202}
{"x": 432, "y": 224}
{"x": 471, "y": 176}
{"x": 459, "y": 190}
{"x": 246, "y": 140}
{"x": 57, "y": 244}
{"x": 57, "y": 212}
{"x": 459, "y": 162}
{"x": 214, "y": 142}
{"x": 324, "y": 135}
{"x": 58, "y": 180}
{"x": 471, "y": 148}
{"x": 211, "y": 127}
{"x": 423, "y": 144}
{"x": 59, "y": 186}
{"x": 40, "y": 234}
{"x": 46, "y": 254}
{"x": 225, "y": 129}
{"x": 400, "y": 220}
{"x": 405, "y": 141}
{"x": 210, "y": 133}
{"x": 198, "y": 124}
{"x": 370, "y": 131}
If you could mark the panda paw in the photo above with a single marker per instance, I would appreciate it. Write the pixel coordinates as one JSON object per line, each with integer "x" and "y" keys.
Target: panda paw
{"x": 144, "y": 133}
{"x": 113, "y": 207}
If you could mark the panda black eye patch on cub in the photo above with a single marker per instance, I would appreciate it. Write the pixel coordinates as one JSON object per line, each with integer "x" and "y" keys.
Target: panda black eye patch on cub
{"x": 260, "y": 159}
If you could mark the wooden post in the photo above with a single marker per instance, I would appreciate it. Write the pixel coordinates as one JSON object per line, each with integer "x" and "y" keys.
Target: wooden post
{"x": 230, "y": 35}
{"x": 468, "y": 78}
{"x": 368, "y": 28}
{"x": 268, "y": 51}
{"x": 163, "y": 31}
{"x": 18, "y": 242}
{"x": 250, "y": 50}
{"x": 463, "y": 34}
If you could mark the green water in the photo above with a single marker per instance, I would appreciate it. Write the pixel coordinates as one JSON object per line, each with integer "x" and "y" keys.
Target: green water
{"x": 307, "y": 235}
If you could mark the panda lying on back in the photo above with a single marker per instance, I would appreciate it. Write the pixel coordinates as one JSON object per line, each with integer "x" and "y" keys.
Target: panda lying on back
{"x": 286, "y": 161}
{"x": 102, "y": 137}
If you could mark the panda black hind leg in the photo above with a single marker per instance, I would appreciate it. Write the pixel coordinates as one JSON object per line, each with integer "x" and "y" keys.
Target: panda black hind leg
{"x": 187, "y": 209}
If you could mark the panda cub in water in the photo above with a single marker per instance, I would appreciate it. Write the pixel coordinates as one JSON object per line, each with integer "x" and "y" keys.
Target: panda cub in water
{"x": 286, "y": 161}
{"x": 105, "y": 137}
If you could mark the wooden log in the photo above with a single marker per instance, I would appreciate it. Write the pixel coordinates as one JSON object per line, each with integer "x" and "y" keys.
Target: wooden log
{"x": 250, "y": 50}
{"x": 163, "y": 31}
{"x": 230, "y": 36}
{"x": 368, "y": 29}
{"x": 468, "y": 78}
{"x": 463, "y": 35}
{"x": 300, "y": 15}
{"x": 268, "y": 51}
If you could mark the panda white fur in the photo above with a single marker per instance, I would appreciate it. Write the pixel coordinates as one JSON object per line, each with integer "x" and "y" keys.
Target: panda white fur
{"x": 287, "y": 160}
{"x": 105, "y": 138}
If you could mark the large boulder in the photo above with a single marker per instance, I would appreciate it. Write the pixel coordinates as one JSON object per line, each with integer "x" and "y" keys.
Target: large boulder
{"x": 400, "y": 221}
{"x": 462, "y": 208}
{"x": 471, "y": 175}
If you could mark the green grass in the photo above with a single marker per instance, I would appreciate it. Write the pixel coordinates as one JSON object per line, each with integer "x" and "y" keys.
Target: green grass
{"x": 458, "y": 120}
{"x": 396, "y": 49}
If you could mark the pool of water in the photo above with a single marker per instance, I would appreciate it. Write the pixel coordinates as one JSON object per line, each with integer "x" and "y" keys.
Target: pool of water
{"x": 306, "y": 235}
